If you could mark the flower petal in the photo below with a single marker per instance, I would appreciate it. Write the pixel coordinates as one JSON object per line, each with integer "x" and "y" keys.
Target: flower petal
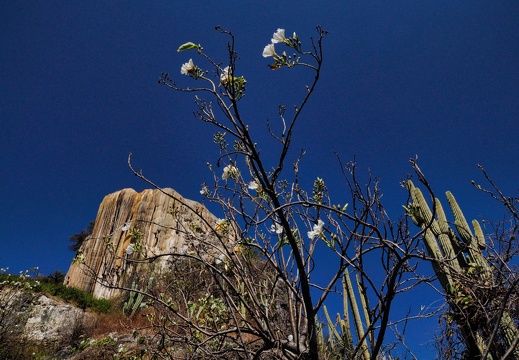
{"x": 129, "y": 250}
{"x": 276, "y": 228}
{"x": 253, "y": 185}
{"x": 187, "y": 68}
{"x": 126, "y": 226}
{"x": 269, "y": 50}
{"x": 279, "y": 36}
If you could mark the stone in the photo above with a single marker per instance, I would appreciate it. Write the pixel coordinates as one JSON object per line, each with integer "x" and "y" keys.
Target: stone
{"x": 163, "y": 224}
{"x": 42, "y": 319}
{"x": 54, "y": 321}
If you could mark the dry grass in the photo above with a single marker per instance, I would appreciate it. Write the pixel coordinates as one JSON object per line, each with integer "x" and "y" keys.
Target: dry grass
{"x": 118, "y": 323}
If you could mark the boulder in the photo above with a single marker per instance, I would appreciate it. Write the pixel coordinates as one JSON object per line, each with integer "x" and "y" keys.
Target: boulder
{"x": 53, "y": 321}
{"x": 40, "y": 319}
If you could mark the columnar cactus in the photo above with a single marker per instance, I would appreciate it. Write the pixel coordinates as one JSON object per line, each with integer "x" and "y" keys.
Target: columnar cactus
{"x": 341, "y": 338}
{"x": 135, "y": 300}
{"x": 462, "y": 269}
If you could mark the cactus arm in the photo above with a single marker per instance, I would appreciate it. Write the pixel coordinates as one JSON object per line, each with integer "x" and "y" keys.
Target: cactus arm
{"x": 134, "y": 301}
{"x": 460, "y": 222}
{"x": 363, "y": 301}
{"x": 425, "y": 213}
{"x": 479, "y": 235}
{"x": 128, "y": 305}
{"x": 356, "y": 316}
{"x": 345, "y": 324}
{"x": 433, "y": 250}
{"x": 334, "y": 335}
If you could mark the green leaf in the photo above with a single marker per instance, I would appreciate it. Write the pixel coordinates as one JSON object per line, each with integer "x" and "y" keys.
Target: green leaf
{"x": 188, "y": 46}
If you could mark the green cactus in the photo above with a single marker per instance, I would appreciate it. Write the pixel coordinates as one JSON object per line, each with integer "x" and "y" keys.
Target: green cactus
{"x": 458, "y": 261}
{"x": 134, "y": 301}
{"x": 340, "y": 340}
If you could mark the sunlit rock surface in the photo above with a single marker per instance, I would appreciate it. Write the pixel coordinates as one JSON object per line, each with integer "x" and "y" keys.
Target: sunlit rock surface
{"x": 169, "y": 224}
{"x": 41, "y": 319}
{"x": 53, "y": 320}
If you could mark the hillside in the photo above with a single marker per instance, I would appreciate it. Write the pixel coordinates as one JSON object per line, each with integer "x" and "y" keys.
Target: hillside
{"x": 134, "y": 239}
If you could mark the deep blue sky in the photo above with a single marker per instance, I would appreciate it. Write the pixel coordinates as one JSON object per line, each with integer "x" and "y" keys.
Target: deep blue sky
{"x": 79, "y": 91}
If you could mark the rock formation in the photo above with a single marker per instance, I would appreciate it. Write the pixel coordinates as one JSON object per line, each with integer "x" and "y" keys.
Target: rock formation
{"x": 132, "y": 234}
{"x": 53, "y": 320}
{"x": 39, "y": 319}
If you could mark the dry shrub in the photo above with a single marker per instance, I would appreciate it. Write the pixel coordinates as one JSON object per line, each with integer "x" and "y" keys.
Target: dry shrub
{"x": 117, "y": 322}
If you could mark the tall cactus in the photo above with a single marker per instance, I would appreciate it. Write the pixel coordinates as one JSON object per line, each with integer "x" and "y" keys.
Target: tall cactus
{"x": 460, "y": 266}
{"x": 341, "y": 336}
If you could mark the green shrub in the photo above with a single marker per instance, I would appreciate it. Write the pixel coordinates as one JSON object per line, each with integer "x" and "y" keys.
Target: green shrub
{"x": 81, "y": 298}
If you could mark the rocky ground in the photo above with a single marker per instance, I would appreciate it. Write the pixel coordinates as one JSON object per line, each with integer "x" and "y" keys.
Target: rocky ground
{"x": 38, "y": 326}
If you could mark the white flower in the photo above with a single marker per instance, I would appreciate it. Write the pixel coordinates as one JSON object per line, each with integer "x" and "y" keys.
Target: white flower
{"x": 219, "y": 259}
{"x": 183, "y": 249}
{"x": 230, "y": 171}
{"x": 224, "y": 76}
{"x": 269, "y": 50}
{"x": 204, "y": 191}
{"x": 276, "y": 228}
{"x": 253, "y": 185}
{"x": 129, "y": 250}
{"x": 126, "y": 226}
{"x": 279, "y": 36}
{"x": 187, "y": 68}
{"x": 317, "y": 230}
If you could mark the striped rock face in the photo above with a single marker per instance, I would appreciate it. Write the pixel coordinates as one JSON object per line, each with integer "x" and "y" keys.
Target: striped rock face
{"x": 136, "y": 235}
